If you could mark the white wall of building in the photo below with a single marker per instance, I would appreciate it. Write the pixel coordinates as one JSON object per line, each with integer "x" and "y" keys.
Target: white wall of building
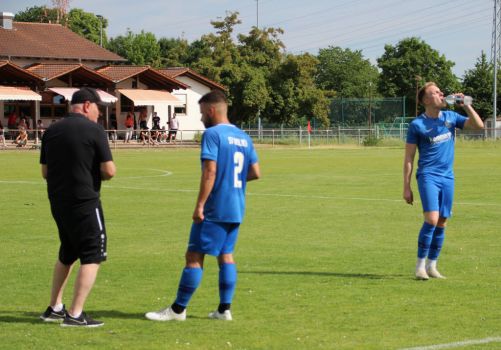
{"x": 190, "y": 123}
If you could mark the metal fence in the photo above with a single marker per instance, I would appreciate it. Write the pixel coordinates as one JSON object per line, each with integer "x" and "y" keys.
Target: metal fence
{"x": 285, "y": 136}
{"x": 347, "y": 135}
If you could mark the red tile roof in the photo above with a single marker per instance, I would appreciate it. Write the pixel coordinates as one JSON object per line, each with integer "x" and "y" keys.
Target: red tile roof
{"x": 50, "y": 71}
{"x": 120, "y": 73}
{"x": 175, "y": 72}
{"x": 42, "y": 40}
{"x": 9, "y": 73}
{"x": 147, "y": 74}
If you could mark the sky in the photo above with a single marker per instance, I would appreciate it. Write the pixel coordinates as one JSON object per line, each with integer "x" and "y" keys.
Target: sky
{"x": 458, "y": 29}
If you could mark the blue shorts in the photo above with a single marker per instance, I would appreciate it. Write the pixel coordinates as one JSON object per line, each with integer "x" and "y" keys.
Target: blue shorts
{"x": 213, "y": 238}
{"x": 437, "y": 194}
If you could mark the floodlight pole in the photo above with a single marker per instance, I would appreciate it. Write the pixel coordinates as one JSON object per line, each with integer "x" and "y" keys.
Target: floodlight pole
{"x": 418, "y": 79}
{"x": 494, "y": 59}
{"x": 257, "y": 14}
{"x": 370, "y": 106}
{"x": 100, "y": 30}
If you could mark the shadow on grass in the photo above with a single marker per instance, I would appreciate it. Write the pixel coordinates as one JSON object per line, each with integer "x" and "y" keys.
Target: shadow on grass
{"x": 34, "y": 317}
{"x": 20, "y": 317}
{"x": 328, "y": 274}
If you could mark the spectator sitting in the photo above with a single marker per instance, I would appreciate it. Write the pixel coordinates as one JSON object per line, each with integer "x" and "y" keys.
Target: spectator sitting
{"x": 163, "y": 134}
{"x": 155, "y": 130}
{"x": 22, "y": 124}
{"x": 156, "y": 121}
{"x": 21, "y": 139}
{"x": 145, "y": 136}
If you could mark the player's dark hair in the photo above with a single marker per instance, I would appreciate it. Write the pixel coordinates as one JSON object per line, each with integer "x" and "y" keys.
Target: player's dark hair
{"x": 213, "y": 97}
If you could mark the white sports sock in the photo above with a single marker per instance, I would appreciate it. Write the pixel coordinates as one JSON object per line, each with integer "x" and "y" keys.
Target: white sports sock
{"x": 431, "y": 264}
{"x": 420, "y": 263}
{"x": 57, "y": 307}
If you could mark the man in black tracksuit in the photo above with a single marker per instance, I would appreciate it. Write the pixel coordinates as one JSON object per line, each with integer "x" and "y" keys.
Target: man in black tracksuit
{"x": 75, "y": 157}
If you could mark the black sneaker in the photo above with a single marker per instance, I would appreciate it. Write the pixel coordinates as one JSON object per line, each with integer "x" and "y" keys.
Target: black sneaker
{"x": 82, "y": 321}
{"x": 53, "y": 316}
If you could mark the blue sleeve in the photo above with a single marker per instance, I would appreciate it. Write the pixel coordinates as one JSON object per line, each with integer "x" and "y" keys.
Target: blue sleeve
{"x": 210, "y": 146}
{"x": 412, "y": 136}
{"x": 253, "y": 155}
{"x": 460, "y": 120}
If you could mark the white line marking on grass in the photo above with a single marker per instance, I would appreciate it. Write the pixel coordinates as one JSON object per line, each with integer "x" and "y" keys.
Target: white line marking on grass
{"x": 306, "y": 196}
{"x": 13, "y": 182}
{"x": 458, "y": 344}
{"x": 163, "y": 173}
{"x": 299, "y": 196}
{"x": 147, "y": 189}
{"x": 309, "y": 196}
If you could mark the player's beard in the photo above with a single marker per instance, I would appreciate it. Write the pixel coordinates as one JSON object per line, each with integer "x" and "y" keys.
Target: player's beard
{"x": 207, "y": 122}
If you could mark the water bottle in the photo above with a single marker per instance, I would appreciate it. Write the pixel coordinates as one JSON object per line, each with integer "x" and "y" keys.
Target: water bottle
{"x": 452, "y": 99}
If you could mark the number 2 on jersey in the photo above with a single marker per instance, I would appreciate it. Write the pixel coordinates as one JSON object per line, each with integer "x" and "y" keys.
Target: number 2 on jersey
{"x": 238, "y": 161}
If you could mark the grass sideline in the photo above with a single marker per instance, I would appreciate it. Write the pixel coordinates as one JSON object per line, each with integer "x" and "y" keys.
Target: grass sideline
{"x": 325, "y": 255}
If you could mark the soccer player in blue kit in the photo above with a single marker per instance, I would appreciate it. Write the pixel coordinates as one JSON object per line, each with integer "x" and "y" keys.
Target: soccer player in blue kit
{"x": 433, "y": 133}
{"x": 229, "y": 160}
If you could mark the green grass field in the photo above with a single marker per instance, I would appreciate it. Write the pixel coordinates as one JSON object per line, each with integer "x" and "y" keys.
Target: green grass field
{"x": 325, "y": 255}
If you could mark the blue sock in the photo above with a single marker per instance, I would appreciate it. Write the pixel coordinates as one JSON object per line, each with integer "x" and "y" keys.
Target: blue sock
{"x": 227, "y": 282}
{"x": 436, "y": 243}
{"x": 424, "y": 240}
{"x": 190, "y": 279}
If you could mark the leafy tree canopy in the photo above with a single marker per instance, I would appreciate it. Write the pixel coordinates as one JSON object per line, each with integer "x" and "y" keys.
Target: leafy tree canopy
{"x": 478, "y": 83}
{"x": 409, "y": 64}
{"x": 83, "y": 23}
{"x": 140, "y": 49}
{"x": 345, "y": 73}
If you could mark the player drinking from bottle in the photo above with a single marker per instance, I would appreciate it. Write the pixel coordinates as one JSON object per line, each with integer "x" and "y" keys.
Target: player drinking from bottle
{"x": 433, "y": 133}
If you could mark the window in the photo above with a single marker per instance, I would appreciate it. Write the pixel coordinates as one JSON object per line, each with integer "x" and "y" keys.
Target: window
{"x": 181, "y": 109}
{"x": 52, "y": 105}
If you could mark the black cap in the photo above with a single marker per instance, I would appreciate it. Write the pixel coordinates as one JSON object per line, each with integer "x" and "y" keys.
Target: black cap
{"x": 86, "y": 94}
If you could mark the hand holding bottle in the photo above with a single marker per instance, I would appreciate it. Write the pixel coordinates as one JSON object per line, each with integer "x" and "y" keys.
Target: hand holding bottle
{"x": 459, "y": 99}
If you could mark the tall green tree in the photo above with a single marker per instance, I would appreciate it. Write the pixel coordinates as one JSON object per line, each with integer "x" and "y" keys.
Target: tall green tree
{"x": 345, "y": 73}
{"x": 478, "y": 83}
{"x": 262, "y": 48}
{"x": 409, "y": 64}
{"x": 40, "y": 14}
{"x": 260, "y": 54}
{"x": 250, "y": 94}
{"x": 174, "y": 52}
{"x": 88, "y": 25}
{"x": 85, "y": 24}
{"x": 215, "y": 55}
{"x": 139, "y": 49}
{"x": 295, "y": 96}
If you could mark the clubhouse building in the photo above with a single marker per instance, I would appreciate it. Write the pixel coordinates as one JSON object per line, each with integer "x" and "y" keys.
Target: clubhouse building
{"x": 41, "y": 65}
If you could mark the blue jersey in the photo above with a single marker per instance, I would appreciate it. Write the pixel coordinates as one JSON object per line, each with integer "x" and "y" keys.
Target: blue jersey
{"x": 233, "y": 151}
{"x": 434, "y": 138}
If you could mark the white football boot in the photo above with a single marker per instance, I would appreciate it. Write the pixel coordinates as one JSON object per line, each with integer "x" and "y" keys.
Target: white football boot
{"x": 225, "y": 316}
{"x": 166, "y": 314}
